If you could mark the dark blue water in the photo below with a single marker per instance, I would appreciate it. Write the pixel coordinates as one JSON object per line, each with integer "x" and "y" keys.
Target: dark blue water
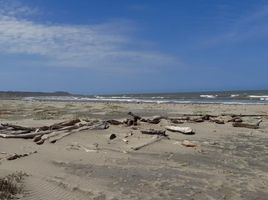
{"x": 229, "y": 97}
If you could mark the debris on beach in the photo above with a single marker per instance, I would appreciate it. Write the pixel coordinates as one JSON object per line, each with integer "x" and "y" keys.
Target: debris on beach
{"x": 184, "y": 130}
{"x": 247, "y": 125}
{"x": 217, "y": 120}
{"x": 187, "y": 143}
{"x": 235, "y": 119}
{"x": 16, "y": 156}
{"x": 154, "y": 132}
{"x": 153, "y": 120}
{"x": 57, "y": 131}
{"x": 53, "y": 132}
{"x": 114, "y": 122}
{"x": 154, "y": 140}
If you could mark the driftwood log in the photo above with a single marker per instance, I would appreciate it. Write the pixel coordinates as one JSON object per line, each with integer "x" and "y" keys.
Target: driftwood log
{"x": 53, "y": 132}
{"x": 217, "y": 120}
{"x": 197, "y": 119}
{"x": 182, "y": 118}
{"x": 24, "y": 136}
{"x": 16, "y": 156}
{"x": 154, "y": 140}
{"x": 16, "y": 127}
{"x": 152, "y": 120}
{"x": 154, "y": 132}
{"x": 235, "y": 119}
{"x": 135, "y": 117}
{"x": 114, "y": 122}
{"x": 130, "y": 122}
{"x": 247, "y": 125}
{"x": 184, "y": 130}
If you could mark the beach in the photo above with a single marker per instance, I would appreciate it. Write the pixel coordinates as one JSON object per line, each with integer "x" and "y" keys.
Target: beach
{"x": 222, "y": 162}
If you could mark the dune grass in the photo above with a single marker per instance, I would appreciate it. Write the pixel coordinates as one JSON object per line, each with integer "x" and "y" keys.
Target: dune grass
{"x": 11, "y": 185}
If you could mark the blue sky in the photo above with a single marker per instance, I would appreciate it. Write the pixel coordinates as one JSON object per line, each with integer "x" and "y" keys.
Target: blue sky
{"x": 125, "y": 46}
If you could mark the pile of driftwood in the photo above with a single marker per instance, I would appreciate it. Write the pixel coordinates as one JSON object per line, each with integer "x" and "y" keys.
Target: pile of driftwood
{"x": 236, "y": 120}
{"x": 57, "y": 131}
{"x": 51, "y": 133}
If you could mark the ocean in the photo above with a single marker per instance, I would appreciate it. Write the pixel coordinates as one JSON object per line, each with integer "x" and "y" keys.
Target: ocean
{"x": 227, "y": 97}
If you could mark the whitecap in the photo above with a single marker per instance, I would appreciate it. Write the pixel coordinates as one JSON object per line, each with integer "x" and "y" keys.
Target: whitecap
{"x": 208, "y": 96}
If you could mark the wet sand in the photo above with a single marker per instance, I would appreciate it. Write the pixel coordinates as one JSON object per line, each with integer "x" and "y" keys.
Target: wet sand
{"x": 227, "y": 163}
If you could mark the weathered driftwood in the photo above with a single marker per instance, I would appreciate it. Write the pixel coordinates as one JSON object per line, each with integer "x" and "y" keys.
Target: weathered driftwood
{"x": 41, "y": 134}
{"x": 24, "y": 136}
{"x": 195, "y": 115}
{"x": 222, "y": 114}
{"x": 114, "y": 122}
{"x": 154, "y": 140}
{"x": 183, "y": 118}
{"x": 207, "y": 117}
{"x": 130, "y": 122}
{"x": 245, "y": 115}
{"x": 235, "y": 119}
{"x": 247, "y": 125}
{"x": 97, "y": 126}
{"x": 47, "y": 136}
{"x": 16, "y": 156}
{"x": 68, "y": 123}
{"x": 37, "y": 138}
{"x": 154, "y": 132}
{"x": 184, "y": 130}
{"x": 179, "y": 120}
{"x": 18, "y": 132}
{"x": 57, "y": 137}
{"x": 16, "y": 127}
{"x": 197, "y": 119}
{"x": 176, "y": 121}
{"x": 152, "y": 120}
{"x": 187, "y": 143}
{"x": 69, "y": 128}
{"x": 135, "y": 117}
{"x": 60, "y": 125}
{"x": 217, "y": 120}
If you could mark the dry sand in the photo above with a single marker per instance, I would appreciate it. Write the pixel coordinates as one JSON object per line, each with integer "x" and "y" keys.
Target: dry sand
{"x": 227, "y": 163}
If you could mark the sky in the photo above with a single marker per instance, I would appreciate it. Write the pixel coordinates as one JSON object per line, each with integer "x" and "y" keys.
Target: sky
{"x": 127, "y": 46}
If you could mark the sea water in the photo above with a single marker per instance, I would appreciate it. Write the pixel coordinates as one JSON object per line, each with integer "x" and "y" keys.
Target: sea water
{"x": 227, "y": 97}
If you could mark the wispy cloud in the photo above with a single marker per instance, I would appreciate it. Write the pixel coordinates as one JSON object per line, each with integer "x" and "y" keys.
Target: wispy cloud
{"x": 251, "y": 26}
{"x": 93, "y": 46}
{"x": 15, "y": 8}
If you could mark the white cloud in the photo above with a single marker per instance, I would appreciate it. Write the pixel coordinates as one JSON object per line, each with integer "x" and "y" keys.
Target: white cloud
{"x": 92, "y": 46}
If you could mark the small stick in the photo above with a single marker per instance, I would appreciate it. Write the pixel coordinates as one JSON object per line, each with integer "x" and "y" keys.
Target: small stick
{"x": 156, "y": 139}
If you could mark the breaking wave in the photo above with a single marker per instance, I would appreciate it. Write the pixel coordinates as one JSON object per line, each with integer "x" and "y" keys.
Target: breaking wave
{"x": 208, "y": 96}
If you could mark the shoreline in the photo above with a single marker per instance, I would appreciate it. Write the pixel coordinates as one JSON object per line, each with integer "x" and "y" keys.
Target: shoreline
{"x": 150, "y": 102}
